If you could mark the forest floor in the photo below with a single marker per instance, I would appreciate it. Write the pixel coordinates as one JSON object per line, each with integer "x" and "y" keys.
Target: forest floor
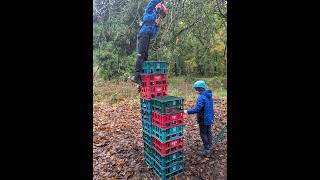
{"x": 118, "y": 143}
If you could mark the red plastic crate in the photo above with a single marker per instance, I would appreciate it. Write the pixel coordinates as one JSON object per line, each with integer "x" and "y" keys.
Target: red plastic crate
{"x": 170, "y": 110}
{"x": 167, "y": 148}
{"x": 156, "y": 91}
{"x": 154, "y": 79}
{"x": 167, "y": 121}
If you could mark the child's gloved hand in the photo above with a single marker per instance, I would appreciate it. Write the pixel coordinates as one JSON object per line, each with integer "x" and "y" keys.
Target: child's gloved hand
{"x": 157, "y": 21}
{"x": 185, "y": 111}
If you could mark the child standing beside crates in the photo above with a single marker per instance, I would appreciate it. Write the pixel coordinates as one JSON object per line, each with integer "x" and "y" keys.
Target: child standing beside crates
{"x": 205, "y": 115}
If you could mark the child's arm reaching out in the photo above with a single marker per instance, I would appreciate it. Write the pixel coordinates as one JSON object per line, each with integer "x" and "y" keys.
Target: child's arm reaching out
{"x": 198, "y": 107}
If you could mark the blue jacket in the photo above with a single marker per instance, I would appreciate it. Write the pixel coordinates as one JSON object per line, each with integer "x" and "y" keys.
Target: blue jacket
{"x": 149, "y": 18}
{"x": 204, "y": 108}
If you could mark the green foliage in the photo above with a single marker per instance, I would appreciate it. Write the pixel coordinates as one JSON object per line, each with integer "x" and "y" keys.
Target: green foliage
{"x": 192, "y": 38}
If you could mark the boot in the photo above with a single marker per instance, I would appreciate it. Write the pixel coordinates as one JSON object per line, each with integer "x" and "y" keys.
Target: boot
{"x": 204, "y": 152}
{"x": 136, "y": 78}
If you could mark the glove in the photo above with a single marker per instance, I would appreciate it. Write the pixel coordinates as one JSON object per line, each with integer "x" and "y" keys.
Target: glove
{"x": 185, "y": 111}
{"x": 157, "y": 22}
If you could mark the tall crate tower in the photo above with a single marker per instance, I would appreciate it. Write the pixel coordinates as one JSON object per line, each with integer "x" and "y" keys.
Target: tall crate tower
{"x": 162, "y": 122}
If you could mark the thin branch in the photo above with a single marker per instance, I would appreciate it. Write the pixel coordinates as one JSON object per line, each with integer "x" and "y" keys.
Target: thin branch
{"x": 219, "y": 9}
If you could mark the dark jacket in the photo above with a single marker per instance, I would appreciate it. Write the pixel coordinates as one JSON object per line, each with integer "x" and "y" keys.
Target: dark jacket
{"x": 204, "y": 108}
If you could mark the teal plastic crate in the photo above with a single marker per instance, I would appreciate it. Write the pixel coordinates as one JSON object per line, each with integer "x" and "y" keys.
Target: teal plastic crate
{"x": 147, "y": 127}
{"x": 148, "y": 159}
{"x": 166, "y": 161}
{"x": 147, "y": 139}
{"x": 163, "y": 161}
{"x": 147, "y": 148}
{"x": 170, "y": 175}
{"x": 168, "y": 172}
{"x": 146, "y": 115}
{"x": 169, "y": 134}
{"x": 155, "y": 67}
{"x": 146, "y": 105}
{"x": 164, "y": 172}
{"x": 167, "y": 105}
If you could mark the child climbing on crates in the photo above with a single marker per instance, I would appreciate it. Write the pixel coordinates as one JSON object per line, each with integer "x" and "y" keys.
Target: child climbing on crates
{"x": 149, "y": 28}
{"x": 205, "y": 115}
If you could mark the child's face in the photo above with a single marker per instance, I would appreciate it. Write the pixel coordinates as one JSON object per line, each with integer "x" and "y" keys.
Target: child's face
{"x": 197, "y": 91}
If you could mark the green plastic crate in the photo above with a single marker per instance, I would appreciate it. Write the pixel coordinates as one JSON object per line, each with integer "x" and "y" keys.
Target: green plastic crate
{"x": 155, "y": 67}
{"x": 166, "y": 161}
{"x": 167, "y": 105}
{"x": 147, "y": 139}
{"x": 168, "y": 172}
{"x": 146, "y": 105}
{"x": 169, "y": 134}
{"x": 147, "y": 127}
{"x": 169, "y": 176}
{"x": 148, "y": 159}
{"x": 146, "y": 115}
{"x": 164, "y": 172}
{"x": 163, "y": 161}
{"x": 147, "y": 148}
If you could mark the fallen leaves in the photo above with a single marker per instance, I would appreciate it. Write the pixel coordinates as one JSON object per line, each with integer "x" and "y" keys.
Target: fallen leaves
{"x": 118, "y": 144}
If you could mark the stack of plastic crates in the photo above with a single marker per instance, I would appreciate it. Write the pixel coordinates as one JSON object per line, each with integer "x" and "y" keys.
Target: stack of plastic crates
{"x": 162, "y": 122}
{"x": 167, "y": 136}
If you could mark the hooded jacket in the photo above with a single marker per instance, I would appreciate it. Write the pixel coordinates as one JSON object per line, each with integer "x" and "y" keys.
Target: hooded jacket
{"x": 204, "y": 108}
{"x": 149, "y": 17}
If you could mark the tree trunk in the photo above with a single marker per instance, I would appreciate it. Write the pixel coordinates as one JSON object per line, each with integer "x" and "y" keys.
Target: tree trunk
{"x": 175, "y": 68}
{"x": 94, "y": 75}
{"x": 225, "y": 52}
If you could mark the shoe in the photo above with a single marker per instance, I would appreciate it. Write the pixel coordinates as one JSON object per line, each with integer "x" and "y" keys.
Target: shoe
{"x": 204, "y": 152}
{"x": 137, "y": 80}
{"x": 202, "y": 148}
